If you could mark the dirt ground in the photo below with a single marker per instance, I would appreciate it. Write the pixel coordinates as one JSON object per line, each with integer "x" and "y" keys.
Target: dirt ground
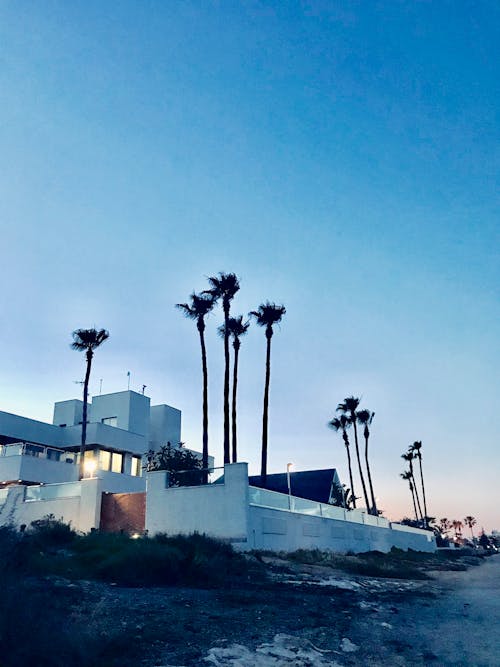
{"x": 309, "y": 616}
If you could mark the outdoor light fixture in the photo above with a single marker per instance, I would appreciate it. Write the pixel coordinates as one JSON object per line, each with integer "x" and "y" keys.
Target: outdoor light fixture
{"x": 90, "y": 467}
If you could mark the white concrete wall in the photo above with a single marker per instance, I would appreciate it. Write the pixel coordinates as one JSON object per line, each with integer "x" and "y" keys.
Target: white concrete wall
{"x": 130, "y": 408}
{"x": 36, "y": 469}
{"x": 107, "y": 436}
{"x": 81, "y": 510}
{"x": 218, "y": 510}
{"x": 164, "y": 426}
{"x": 224, "y": 511}
{"x": 69, "y": 413}
{"x": 30, "y": 430}
{"x": 281, "y": 530}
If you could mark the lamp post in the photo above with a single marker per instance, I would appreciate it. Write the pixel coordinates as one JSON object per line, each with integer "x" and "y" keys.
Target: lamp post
{"x": 288, "y": 466}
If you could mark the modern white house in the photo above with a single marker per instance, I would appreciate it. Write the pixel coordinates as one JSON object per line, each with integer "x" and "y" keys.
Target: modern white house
{"x": 121, "y": 428}
{"x": 39, "y": 476}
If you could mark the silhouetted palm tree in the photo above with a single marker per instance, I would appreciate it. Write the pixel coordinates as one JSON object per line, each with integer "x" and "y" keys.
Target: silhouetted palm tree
{"x": 408, "y": 457}
{"x": 457, "y": 527}
{"x": 349, "y": 407}
{"x": 416, "y": 450}
{"x": 87, "y": 340}
{"x": 365, "y": 418}
{"x": 341, "y": 424}
{"x": 407, "y": 476}
{"x": 237, "y": 329}
{"x": 267, "y": 315}
{"x": 224, "y": 287}
{"x": 444, "y": 525}
{"x": 198, "y": 309}
{"x": 470, "y": 521}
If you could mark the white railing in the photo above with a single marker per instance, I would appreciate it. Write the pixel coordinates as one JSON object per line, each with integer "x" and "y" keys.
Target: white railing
{"x": 281, "y": 501}
{"x": 52, "y": 491}
{"x": 37, "y": 451}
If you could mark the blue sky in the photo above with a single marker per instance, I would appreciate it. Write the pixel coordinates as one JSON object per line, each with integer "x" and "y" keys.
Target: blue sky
{"x": 341, "y": 158}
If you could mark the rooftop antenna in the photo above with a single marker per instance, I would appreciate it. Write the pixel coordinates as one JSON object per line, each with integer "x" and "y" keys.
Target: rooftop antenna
{"x": 82, "y": 382}
{"x": 128, "y": 376}
{"x": 100, "y": 386}
{"x": 143, "y": 388}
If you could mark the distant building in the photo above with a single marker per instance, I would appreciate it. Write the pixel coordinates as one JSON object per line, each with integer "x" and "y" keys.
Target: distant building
{"x": 322, "y": 486}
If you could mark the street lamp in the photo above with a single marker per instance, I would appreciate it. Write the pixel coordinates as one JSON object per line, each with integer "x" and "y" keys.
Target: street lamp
{"x": 288, "y": 467}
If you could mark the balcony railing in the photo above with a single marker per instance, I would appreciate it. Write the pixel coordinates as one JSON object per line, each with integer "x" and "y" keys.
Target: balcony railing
{"x": 282, "y": 501}
{"x": 37, "y": 451}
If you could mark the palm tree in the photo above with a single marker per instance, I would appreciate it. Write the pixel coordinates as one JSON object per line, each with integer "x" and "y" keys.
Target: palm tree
{"x": 224, "y": 286}
{"x": 470, "y": 521}
{"x": 87, "y": 340}
{"x": 341, "y": 424}
{"x": 408, "y": 477}
{"x": 416, "y": 450}
{"x": 365, "y": 418}
{"x": 267, "y": 315}
{"x": 349, "y": 407}
{"x": 408, "y": 457}
{"x": 237, "y": 328}
{"x": 444, "y": 525}
{"x": 198, "y": 309}
{"x": 457, "y": 527}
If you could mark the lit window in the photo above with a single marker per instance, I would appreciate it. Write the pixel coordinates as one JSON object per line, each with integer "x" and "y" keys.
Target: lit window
{"x": 110, "y": 421}
{"x": 136, "y": 466}
{"x": 104, "y": 459}
{"x": 116, "y": 462}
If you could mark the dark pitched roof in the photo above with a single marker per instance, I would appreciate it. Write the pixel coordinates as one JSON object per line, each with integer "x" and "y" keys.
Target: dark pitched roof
{"x": 309, "y": 484}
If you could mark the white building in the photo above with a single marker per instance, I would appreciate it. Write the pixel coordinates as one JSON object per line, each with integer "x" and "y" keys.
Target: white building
{"x": 121, "y": 428}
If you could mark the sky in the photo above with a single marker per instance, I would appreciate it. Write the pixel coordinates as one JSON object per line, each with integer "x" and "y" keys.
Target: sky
{"x": 341, "y": 158}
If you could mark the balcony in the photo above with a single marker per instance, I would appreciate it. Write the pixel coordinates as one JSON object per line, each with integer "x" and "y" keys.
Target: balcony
{"x": 31, "y": 463}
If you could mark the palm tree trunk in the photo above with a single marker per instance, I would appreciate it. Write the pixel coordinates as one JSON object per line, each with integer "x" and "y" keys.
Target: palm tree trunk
{"x": 413, "y": 498}
{"x": 367, "y": 502}
{"x": 204, "y": 456}
{"x": 416, "y": 491}
{"x": 423, "y": 489}
{"x": 235, "y": 385}
{"x": 84, "y": 411}
{"x": 265, "y": 415}
{"x": 374, "y": 504}
{"x": 353, "y": 495}
{"x": 227, "y": 458}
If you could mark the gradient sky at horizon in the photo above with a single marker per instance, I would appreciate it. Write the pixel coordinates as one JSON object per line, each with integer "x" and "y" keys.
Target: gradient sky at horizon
{"x": 341, "y": 158}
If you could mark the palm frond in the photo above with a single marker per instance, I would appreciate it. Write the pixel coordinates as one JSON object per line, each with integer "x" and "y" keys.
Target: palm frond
{"x": 201, "y": 305}
{"x": 223, "y": 286}
{"x": 88, "y": 339}
{"x": 268, "y": 314}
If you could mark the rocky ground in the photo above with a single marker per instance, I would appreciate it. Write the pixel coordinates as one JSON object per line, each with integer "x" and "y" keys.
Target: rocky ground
{"x": 307, "y": 616}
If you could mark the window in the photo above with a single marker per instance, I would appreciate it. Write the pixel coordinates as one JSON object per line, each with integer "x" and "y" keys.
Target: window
{"x": 104, "y": 459}
{"x": 110, "y": 421}
{"x": 116, "y": 462}
{"x": 136, "y": 466}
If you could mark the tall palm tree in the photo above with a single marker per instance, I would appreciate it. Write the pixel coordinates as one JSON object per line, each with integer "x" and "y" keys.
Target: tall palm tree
{"x": 198, "y": 309}
{"x": 416, "y": 450}
{"x": 365, "y": 418}
{"x": 341, "y": 424}
{"x": 470, "y": 521}
{"x": 267, "y": 315}
{"x": 408, "y": 477}
{"x": 349, "y": 407}
{"x": 224, "y": 287}
{"x": 87, "y": 340}
{"x": 237, "y": 329}
{"x": 408, "y": 457}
